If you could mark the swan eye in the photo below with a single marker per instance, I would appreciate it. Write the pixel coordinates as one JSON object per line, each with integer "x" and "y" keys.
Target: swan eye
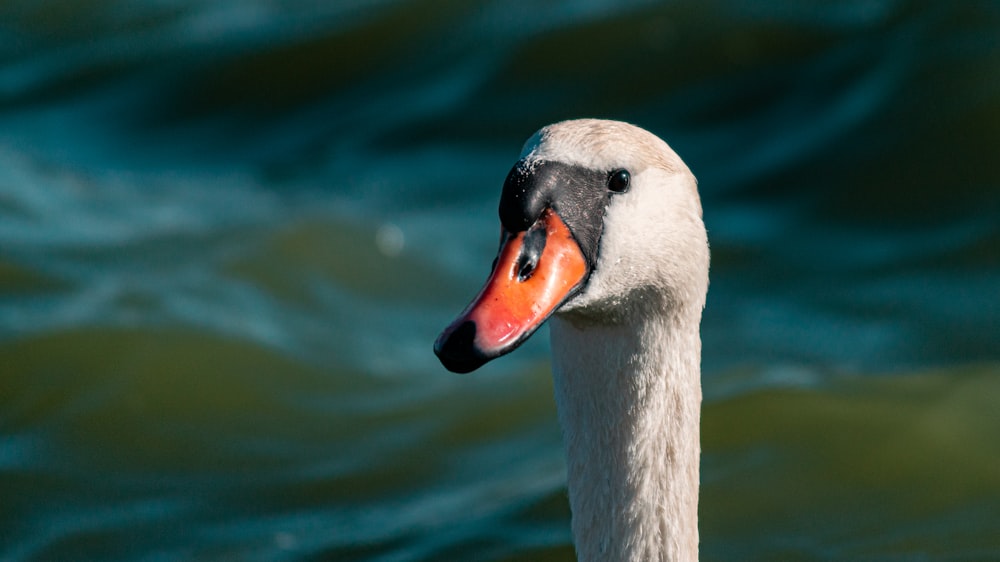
{"x": 618, "y": 181}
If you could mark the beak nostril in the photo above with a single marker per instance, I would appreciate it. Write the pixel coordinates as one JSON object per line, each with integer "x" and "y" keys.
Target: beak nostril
{"x": 524, "y": 270}
{"x": 531, "y": 250}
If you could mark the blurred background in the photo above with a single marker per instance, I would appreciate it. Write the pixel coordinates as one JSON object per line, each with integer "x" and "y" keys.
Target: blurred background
{"x": 231, "y": 230}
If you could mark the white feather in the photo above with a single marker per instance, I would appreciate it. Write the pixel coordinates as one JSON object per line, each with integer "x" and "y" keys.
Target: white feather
{"x": 627, "y": 351}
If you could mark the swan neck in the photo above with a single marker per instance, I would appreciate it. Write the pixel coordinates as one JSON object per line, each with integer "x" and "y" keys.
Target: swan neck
{"x": 629, "y": 401}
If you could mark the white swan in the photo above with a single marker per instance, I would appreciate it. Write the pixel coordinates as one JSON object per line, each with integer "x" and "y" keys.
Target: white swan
{"x": 602, "y": 229}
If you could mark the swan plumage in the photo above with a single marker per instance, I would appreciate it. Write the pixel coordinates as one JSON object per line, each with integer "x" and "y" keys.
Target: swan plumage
{"x": 603, "y": 232}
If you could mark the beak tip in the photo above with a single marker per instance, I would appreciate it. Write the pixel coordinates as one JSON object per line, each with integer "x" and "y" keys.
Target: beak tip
{"x": 456, "y": 348}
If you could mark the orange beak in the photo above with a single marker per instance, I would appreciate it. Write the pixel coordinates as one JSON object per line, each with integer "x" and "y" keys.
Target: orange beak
{"x": 536, "y": 271}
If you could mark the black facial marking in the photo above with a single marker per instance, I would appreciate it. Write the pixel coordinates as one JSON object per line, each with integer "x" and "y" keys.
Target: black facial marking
{"x": 578, "y": 194}
{"x": 531, "y": 252}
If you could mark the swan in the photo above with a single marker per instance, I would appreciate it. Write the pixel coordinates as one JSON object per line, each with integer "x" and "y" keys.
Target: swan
{"x": 602, "y": 235}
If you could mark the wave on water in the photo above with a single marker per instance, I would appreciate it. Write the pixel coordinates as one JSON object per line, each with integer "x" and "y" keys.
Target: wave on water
{"x": 230, "y": 232}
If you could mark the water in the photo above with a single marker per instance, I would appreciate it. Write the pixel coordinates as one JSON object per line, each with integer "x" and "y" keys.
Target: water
{"x": 230, "y": 231}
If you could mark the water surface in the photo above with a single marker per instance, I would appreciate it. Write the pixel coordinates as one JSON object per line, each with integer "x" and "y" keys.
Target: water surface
{"x": 230, "y": 231}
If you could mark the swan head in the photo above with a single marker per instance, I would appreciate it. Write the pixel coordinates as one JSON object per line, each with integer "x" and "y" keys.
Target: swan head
{"x": 600, "y": 222}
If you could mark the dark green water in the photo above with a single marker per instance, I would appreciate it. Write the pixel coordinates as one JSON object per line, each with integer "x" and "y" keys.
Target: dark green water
{"x": 230, "y": 231}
